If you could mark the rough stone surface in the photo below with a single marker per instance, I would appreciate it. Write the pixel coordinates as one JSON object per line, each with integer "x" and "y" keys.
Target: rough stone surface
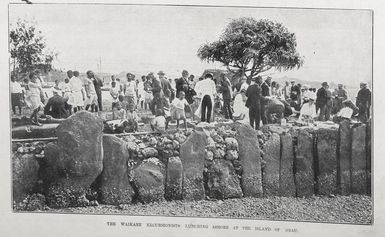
{"x": 369, "y": 156}
{"x": 223, "y": 182}
{"x": 32, "y": 202}
{"x": 115, "y": 187}
{"x": 25, "y": 170}
{"x": 79, "y": 161}
{"x": 271, "y": 158}
{"x": 174, "y": 179}
{"x": 304, "y": 176}
{"x": 286, "y": 178}
{"x": 149, "y": 181}
{"x": 250, "y": 160}
{"x": 192, "y": 154}
{"x": 359, "y": 176}
{"x": 327, "y": 161}
{"x": 345, "y": 152}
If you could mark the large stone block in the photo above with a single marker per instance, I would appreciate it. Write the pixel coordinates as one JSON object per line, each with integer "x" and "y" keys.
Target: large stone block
{"x": 115, "y": 187}
{"x": 286, "y": 177}
{"x": 25, "y": 177}
{"x": 345, "y": 152}
{"x": 327, "y": 161}
{"x": 358, "y": 171}
{"x": 149, "y": 181}
{"x": 369, "y": 156}
{"x": 79, "y": 160}
{"x": 271, "y": 157}
{"x": 223, "y": 182}
{"x": 250, "y": 160}
{"x": 174, "y": 179}
{"x": 304, "y": 175}
{"x": 192, "y": 155}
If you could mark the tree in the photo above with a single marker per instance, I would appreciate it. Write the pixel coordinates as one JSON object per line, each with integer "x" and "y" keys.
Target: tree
{"x": 28, "y": 48}
{"x": 249, "y": 47}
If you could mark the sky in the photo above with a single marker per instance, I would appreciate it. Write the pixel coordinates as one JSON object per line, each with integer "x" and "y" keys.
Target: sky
{"x": 336, "y": 44}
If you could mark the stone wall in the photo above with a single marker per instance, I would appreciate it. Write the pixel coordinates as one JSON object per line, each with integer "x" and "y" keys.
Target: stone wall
{"x": 85, "y": 167}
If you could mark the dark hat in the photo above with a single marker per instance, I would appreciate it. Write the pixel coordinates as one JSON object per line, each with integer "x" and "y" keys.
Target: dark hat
{"x": 161, "y": 73}
{"x": 324, "y": 83}
{"x": 209, "y": 75}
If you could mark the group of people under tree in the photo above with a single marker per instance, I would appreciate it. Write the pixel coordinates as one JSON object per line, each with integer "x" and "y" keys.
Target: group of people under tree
{"x": 252, "y": 100}
{"x": 262, "y": 100}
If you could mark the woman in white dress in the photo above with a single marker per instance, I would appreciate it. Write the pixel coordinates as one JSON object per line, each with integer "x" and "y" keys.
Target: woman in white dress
{"x": 241, "y": 112}
{"x": 34, "y": 99}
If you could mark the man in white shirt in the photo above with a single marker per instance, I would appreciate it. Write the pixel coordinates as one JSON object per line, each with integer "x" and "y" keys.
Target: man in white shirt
{"x": 16, "y": 94}
{"x": 77, "y": 97}
{"x": 206, "y": 90}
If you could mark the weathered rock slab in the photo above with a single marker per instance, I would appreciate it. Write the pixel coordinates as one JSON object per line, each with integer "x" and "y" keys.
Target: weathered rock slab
{"x": 115, "y": 187}
{"x": 304, "y": 175}
{"x": 192, "y": 154}
{"x": 327, "y": 161}
{"x": 149, "y": 181}
{"x": 358, "y": 170}
{"x": 223, "y": 182}
{"x": 174, "y": 179}
{"x": 25, "y": 171}
{"x": 250, "y": 160}
{"x": 286, "y": 178}
{"x": 271, "y": 158}
{"x": 78, "y": 162}
{"x": 345, "y": 152}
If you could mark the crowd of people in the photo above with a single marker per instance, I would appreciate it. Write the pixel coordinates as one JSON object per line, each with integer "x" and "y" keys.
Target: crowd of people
{"x": 252, "y": 101}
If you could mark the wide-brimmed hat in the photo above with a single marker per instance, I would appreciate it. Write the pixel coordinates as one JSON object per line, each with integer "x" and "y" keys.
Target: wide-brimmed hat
{"x": 324, "y": 83}
{"x": 209, "y": 75}
{"x": 161, "y": 73}
{"x": 312, "y": 96}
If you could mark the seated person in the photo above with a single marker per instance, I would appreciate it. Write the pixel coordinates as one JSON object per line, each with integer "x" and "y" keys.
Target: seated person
{"x": 118, "y": 112}
{"x": 55, "y": 106}
{"x": 159, "y": 122}
{"x": 308, "y": 111}
{"x": 274, "y": 106}
{"x": 178, "y": 109}
{"x": 347, "y": 111}
{"x": 132, "y": 119}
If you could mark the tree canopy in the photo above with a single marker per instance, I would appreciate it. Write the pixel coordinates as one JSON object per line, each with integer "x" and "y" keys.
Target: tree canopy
{"x": 250, "y": 47}
{"x": 28, "y": 48}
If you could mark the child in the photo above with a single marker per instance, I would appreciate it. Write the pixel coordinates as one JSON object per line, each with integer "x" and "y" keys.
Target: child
{"x": 114, "y": 92}
{"x": 119, "y": 112}
{"x": 159, "y": 122}
{"x": 132, "y": 119}
{"x": 178, "y": 109}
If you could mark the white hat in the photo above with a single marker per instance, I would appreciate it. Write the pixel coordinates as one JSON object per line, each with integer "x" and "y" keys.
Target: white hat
{"x": 312, "y": 96}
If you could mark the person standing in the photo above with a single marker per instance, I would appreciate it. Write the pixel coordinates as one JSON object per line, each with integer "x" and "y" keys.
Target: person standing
{"x": 98, "y": 84}
{"x": 141, "y": 92}
{"x": 286, "y": 90}
{"x": 225, "y": 88}
{"x": 157, "y": 94}
{"x": 77, "y": 97}
{"x": 321, "y": 102}
{"x": 92, "y": 99}
{"x": 340, "y": 95}
{"x": 266, "y": 92}
{"x": 129, "y": 90}
{"x": 206, "y": 90}
{"x": 16, "y": 94}
{"x": 182, "y": 83}
{"x": 253, "y": 102}
{"x": 34, "y": 99}
{"x": 363, "y": 102}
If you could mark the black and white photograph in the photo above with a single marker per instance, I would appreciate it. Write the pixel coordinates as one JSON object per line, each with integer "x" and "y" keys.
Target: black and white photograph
{"x": 183, "y": 112}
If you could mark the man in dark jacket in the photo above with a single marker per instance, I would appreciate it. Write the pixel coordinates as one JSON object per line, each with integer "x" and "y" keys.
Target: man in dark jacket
{"x": 266, "y": 92}
{"x": 225, "y": 88}
{"x": 363, "y": 102}
{"x": 253, "y": 102}
{"x": 98, "y": 83}
{"x": 321, "y": 102}
{"x": 55, "y": 106}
